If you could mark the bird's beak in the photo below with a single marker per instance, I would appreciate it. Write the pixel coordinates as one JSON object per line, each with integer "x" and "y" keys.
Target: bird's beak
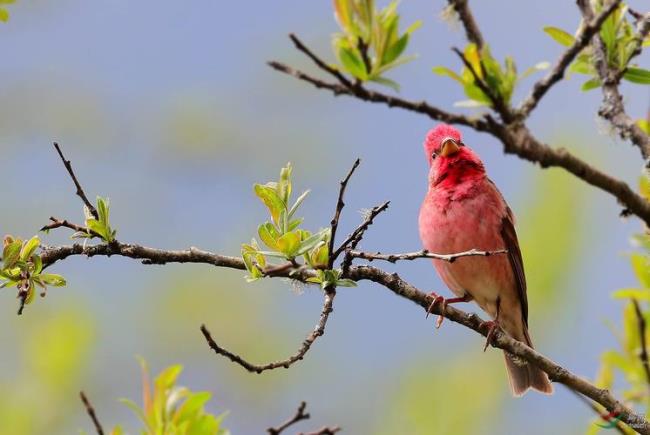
{"x": 449, "y": 147}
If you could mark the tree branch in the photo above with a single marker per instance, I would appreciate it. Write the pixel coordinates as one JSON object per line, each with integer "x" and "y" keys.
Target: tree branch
{"x": 80, "y": 191}
{"x": 337, "y": 214}
{"x": 58, "y": 223}
{"x": 318, "y": 331}
{"x": 298, "y": 416}
{"x": 516, "y": 139}
{"x": 358, "y": 91}
{"x": 91, "y": 412}
{"x": 557, "y": 72}
{"x": 392, "y": 282}
{"x": 392, "y": 258}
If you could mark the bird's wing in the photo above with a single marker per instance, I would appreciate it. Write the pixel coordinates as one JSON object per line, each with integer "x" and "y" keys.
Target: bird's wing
{"x": 514, "y": 255}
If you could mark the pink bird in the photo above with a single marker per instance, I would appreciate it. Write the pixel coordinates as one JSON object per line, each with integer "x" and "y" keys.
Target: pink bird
{"x": 464, "y": 210}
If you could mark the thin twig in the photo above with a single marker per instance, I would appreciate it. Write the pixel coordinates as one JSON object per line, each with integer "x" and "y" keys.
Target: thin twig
{"x": 58, "y": 223}
{"x": 325, "y": 430}
{"x": 337, "y": 214}
{"x": 355, "y": 237}
{"x": 319, "y": 62}
{"x": 298, "y": 416}
{"x": 80, "y": 191}
{"x": 392, "y": 258}
{"x": 318, "y": 331}
{"x": 364, "y": 94}
{"x": 643, "y": 355}
{"x": 557, "y": 72}
{"x": 91, "y": 412}
{"x": 469, "y": 23}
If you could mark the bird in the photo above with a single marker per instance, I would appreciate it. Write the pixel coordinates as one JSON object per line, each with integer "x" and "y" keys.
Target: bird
{"x": 463, "y": 210}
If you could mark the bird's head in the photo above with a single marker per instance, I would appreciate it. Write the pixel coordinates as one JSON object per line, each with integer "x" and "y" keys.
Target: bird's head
{"x": 449, "y": 158}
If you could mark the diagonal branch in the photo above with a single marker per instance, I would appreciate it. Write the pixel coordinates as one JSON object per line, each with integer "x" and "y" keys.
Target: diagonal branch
{"x": 318, "y": 331}
{"x": 355, "y": 237}
{"x": 377, "y": 97}
{"x": 320, "y": 63}
{"x": 58, "y": 223}
{"x": 557, "y": 72}
{"x": 91, "y": 413}
{"x": 298, "y": 416}
{"x": 80, "y": 192}
{"x": 337, "y": 214}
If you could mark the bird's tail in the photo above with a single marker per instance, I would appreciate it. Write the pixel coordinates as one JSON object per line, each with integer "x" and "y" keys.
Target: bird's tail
{"x": 523, "y": 375}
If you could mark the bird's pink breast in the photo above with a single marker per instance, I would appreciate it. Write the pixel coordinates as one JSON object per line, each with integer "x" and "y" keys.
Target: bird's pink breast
{"x": 468, "y": 216}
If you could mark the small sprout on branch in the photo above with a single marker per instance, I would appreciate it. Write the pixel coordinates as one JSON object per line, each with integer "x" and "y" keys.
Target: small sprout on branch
{"x": 331, "y": 278}
{"x": 502, "y": 80}
{"x": 619, "y": 41}
{"x": 370, "y": 43}
{"x": 99, "y": 226}
{"x": 22, "y": 267}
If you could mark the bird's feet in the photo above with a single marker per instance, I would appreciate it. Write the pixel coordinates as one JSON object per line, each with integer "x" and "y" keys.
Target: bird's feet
{"x": 493, "y": 326}
{"x": 437, "y": 299}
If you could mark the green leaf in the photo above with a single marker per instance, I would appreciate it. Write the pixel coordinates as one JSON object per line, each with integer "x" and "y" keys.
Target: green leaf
{"x": 297, "y": 204}
{"x": 167, "y": 378}
{"x": 590, "y": 84}
{"x": 288, "y": 244}
{"x": 11, "y": 253}
{"x": 632, "y": 293}
{"x": 386, "y": 82}
{"x": 269, "y": 196}
{"x": 137, "y": 411}
{"x": 444, "y": 71}
{"x": 102, "y": 210}
{"x": 560, "y": 36}
{"x": 352, "y": 62}
{"x": 311, "y": 242}
{"x": 29, "y": 247}
{"x": 641, "y": 267}
{"x": 346, "y": 283}
{"x": 269, "y": 235}
{"x": 645, "y": 126}
{"x": 4, "y": 15}
{"x": 192, "y": 406}
{"x": 52, "y": 279}
{"x": 395, "y": 50}
{"x": 541, "y": 66}
{"x": 637, "y": 75}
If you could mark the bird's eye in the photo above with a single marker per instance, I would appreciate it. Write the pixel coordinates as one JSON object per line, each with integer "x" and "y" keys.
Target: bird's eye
{"x": 434, "y": 155}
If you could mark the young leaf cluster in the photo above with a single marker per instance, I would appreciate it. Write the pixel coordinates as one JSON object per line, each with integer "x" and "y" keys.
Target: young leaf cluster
{"x": 100, "y": 226}
{"x": 22, "y": 268}
{"x": 170, "y": 409}
{"x": 618, "y": 36}
{"x": 370, "y": 42}
{"x": 283, "y": 238}
{"x": 501, "y": 79}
